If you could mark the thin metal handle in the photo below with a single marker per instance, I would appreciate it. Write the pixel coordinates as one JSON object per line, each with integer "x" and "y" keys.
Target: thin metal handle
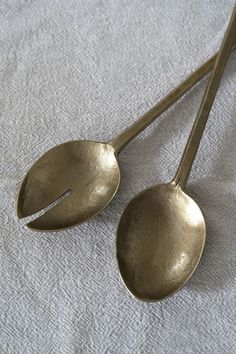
{"x": 207, "y": 101}
{"x": 142, "y": 123}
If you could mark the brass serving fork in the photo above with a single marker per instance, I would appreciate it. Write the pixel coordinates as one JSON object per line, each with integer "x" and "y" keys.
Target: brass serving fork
{"x": 87, "y": 170}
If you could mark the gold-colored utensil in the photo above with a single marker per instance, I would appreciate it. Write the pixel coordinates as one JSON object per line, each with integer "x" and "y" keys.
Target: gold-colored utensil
{"x": 161, "y": 234}
{"x": 88, "y": 170}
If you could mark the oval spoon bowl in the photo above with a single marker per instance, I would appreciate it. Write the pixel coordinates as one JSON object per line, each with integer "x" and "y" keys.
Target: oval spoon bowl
{"x": 160, "y": 240}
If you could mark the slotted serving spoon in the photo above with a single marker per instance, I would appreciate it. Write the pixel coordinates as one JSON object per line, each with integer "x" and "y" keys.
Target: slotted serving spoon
{"x": 161, "y": 234}
{"x": 89, "y": 170}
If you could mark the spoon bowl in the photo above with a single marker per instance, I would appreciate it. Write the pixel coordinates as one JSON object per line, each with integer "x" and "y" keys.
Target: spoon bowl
{"x": 160, "y": 240}
{"x": 88, "y": 170}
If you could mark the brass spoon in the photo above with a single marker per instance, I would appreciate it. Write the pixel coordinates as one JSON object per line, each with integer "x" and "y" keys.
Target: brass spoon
{"x": 89, "y": 170}
{"x": 161, "y": 234}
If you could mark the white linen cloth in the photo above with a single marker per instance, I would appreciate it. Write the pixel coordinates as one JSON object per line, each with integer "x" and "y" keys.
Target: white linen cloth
{"x": 73, "y": 69}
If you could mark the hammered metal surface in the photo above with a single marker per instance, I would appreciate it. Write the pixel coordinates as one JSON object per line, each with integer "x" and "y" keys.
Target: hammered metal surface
{"x": 88, "y": 169}
{"x": 160, "y": 240}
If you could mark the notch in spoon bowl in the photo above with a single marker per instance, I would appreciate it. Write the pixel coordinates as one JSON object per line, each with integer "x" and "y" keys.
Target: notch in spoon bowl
{"x": 89, "y": 170}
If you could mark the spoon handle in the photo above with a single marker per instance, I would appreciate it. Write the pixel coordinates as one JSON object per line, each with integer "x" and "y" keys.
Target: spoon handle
{"x": 143, "y": 122}
{"x": 205, "y": 107}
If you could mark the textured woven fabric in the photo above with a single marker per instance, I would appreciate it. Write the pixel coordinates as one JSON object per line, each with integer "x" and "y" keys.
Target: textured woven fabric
{"x": 73, "y": 69}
